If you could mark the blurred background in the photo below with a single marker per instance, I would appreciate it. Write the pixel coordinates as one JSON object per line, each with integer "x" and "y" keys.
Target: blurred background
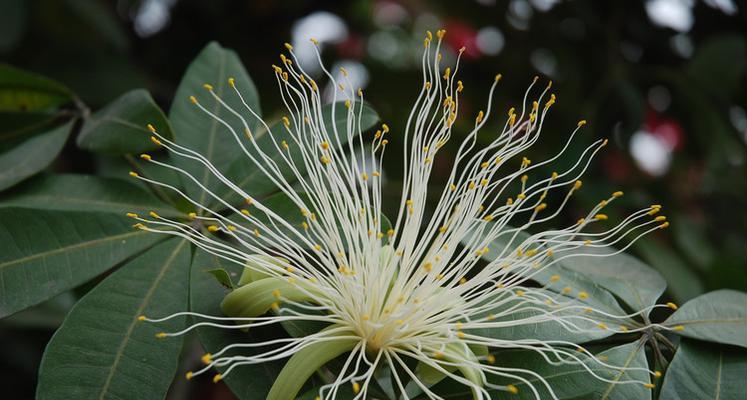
{"x": 664, "y": 80}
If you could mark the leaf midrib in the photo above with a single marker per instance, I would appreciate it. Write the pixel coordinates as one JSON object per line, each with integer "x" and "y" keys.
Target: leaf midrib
{"x": 69, "y": 248}
{"x": 629, "y": 360}
{"x": 143, "y": 304}
{"x": 119, "y": 205}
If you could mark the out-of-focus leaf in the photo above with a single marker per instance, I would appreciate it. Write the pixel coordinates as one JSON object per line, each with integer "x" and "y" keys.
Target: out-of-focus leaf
{"x": 719, "y": 63}
{"x": 719, "y": 316}
{"x": 102, "y": 20}
{"x": 705, "y": 372}
{"x": 684, "y": 284}
{"x": 46, "y": 252}
{"x": 249, "y": 382}
{"x": 32, "y": 155}
{"x": 200, "y": 132}
{"x": 85, "y": 193}
{"x": 102, "y": 351}
{"x": 12, "y": 23}
{"x": 693, "y": 242}
{"x": 22, "y": 91}
{"x": 121, "y": 127}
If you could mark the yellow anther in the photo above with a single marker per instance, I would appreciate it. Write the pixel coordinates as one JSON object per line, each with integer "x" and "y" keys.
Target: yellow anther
{"x": 145, "y": 157}
{"x": 587, "y": 242}
{"x": 193, "y": 99}
{"x": 314, "y": 41}
{"x": 509, "y": 201}
{"x": 447, "y": 73}
{"x": 488, "y": 218}
{"x": 602, "y": 326}
{"x": 317, "y": 247}
{"x": 347, "y": 104}
{"x": 525, "y": 162}
{"x": 490, "y": 317}
{"x": 512, "y": 389}
{"x": 480, "y": 115}
{"x": 490, "y": 359}
{"x": 657, "y": 374}
{"x": 189, "y": 375}
{"x": 452, "y": 187}
{"x": 649, "y": 385}
{"x": 154, "y": 214}
{"x": 213, "y": 228}
{"x": 664, "y": 225}
{"x": 577, "y": 185}
{"x": 554, "y": 278}
{"x": 603, "y": 203}
{"x": 460, "y": 86}
{"x": 521, "y": 196}
{"x": 600, "y": 217}
{"x": 275, "y": 306}
{"x": 325, "y": 160}
{"x": 623, "y": 328}
{"x": 678, "y": 328}
{"x": 207, "y": 358}
{"x": 581, "y": 123}
{"x": 540, "y": 207}
{"x": 245, "y": 212}
{"x": 617, "y": 194}
{"x": 471, "y": 185}
{"x": 133, "y": 174}
{"x": 460, "y": 335}
{"x": 141, "y": 318}
{"x": 207, "y": 86}
{"x": 485, "y": 165}
{"x": 288, "y": 46}
{"x": 155, "y": 141}
{"x": 161, "y": 335}
{"x": 131, "y": 215}
{"x": 567, "y": 290}
{"x": 256, "y": 232}
{"x": 583, "y": 295}
{"x": 484, "y": 182}
{"x": 356, "y": 387}
{"x": 439, "y": 277}
{"x": 520, "y": 293}
{"x": 672, "y": 305}
{"x": 660, "y": 218}
{"x": 217, "y": 378}
{"x": 384, "y": 142}
{"x": 151, "y": 128}
{"x": 498, "y": 77}
{"x": 462, "y": 280}
{"x": 285, "y": 145}
{"x": 276, "y": 293}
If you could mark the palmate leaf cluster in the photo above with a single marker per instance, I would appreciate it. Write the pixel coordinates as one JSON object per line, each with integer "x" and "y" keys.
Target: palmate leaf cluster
{"x": 59, "y": 232}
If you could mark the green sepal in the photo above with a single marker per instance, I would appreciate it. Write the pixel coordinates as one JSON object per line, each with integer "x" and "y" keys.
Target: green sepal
{"x": 456, "y": 353}
{"x": 306, "y": 362}
{"x": 254, "y": 272}
{"x": 258, "y": 297}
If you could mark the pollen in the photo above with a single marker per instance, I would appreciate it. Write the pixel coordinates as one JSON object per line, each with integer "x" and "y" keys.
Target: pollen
{"x": 512, "y": 389}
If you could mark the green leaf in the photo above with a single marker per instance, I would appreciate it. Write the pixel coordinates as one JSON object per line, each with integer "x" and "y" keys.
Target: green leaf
{"x": 567, "y": 381}
{"x": 196, "y": 130}
{"x": 121, "y": 127}
{"x": 102, "y": 351}
{"x": 250, "y": 382}
{"x": 623, "y": 275}
{"x": 705, "y": 372}
{"x": 69, "y": 192}
{"x": 32, "y": 155}
{"x": 719, "y": 316}
{"x": 22, "y": 91}
{"x": 222, "y": 276}
{"x": 631, "y": 355}
{"x": 45, "y": 253}
{"x": 255, "y": 182}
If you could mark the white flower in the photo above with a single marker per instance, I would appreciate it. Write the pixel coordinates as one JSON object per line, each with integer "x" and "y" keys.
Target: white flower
{"x": 420, "y": 290}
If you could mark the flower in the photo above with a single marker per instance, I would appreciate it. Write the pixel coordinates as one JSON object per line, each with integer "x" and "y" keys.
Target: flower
{"x": 422, "y": 295}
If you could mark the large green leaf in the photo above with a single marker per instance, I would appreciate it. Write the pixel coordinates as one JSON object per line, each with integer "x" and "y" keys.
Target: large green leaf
{"x": 718, "y": 65}
{"x": 22, "y": 91}
{"x": 719, "y": 316}
{"x": 47, "y": 252}
{"x": 121, "y": 127}
{"x": 102, "y": 351}
{"x": 206, "y": 293}
{"x": 198, "y": 131}
{"x": 85, "y": 193}
{"x": 705, "y": 372}
{"x": 257, "y": 184}
{"x": 32, "y": 155}
{"x": 625, "y": 276}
